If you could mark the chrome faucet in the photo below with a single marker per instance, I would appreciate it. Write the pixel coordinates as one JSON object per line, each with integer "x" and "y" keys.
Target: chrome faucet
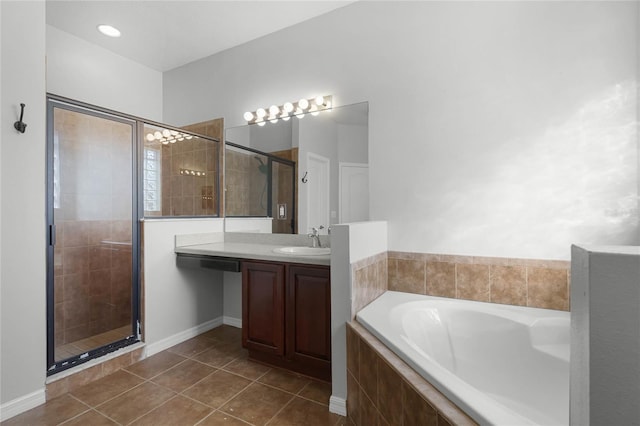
{"x": 315, "y": 236}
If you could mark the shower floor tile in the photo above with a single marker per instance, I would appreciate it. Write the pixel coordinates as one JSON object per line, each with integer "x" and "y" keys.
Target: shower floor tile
{"x": 205, "y": 381}
{"x": 81, "y": 346}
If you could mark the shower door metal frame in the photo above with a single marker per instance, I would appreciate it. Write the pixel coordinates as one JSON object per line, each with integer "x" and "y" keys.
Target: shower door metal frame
{"x": 272, "y": 158}
{"x": 54, "y": 101}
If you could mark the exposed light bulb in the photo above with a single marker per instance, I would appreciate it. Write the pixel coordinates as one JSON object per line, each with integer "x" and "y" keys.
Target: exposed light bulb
{"x": 273, "y": 120}
{"x": 261, "y": 113}
{"x": 303, "y": 103}
{"x": 260, "y": 123}
{"x": 157, "y": 135}
{"x": 314, "y": 110}
{"x": 166, "y": 133}
{"x": 189, "y": 137}
{"x": 150, "y": 137}
{"x": 274, "y": 110}
{"x": 288, "y": 107}
{"x": 248, "y": 116}
{"x": 319, "y": 100}
{"x": 286, "y": 117}
{"x": 174, "y": 133}
{"x": 165, "y": 142}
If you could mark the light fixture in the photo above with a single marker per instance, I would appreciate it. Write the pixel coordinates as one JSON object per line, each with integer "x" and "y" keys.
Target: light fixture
{"x": 108, "y": 30}
{"x": 303, "y": 104}
{"x": 166, "y": 136}
{"x": 188, "y": 172}
{"x": 287, "y": 110}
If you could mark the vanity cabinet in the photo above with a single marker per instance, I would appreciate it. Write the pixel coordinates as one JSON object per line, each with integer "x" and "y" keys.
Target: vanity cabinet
{"x": 286, "y": 316}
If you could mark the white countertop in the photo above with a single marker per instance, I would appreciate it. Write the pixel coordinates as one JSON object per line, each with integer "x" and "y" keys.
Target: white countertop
{"x": 256, "y": 251}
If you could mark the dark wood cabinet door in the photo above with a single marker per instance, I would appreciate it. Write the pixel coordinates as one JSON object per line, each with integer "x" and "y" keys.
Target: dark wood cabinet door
{"x": 308, "y": 318}
{"x": 263, "y": 307}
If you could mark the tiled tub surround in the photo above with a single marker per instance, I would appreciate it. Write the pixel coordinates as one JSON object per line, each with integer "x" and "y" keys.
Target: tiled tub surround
{"x": 521, "y": 282}
{"x": 369, "y": 280}
{"x": 383, "y": 390}
{"x": 501, "y": 364}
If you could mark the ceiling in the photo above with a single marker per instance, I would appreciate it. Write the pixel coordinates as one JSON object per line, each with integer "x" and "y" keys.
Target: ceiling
{"x": 167, "y": 34}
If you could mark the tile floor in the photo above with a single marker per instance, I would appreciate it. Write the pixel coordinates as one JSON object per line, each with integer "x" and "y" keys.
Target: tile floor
{"x": 205, "y": 381}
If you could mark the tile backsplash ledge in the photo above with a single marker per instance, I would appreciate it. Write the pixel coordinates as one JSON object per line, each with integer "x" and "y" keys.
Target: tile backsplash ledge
{"x": 522, "y": 282}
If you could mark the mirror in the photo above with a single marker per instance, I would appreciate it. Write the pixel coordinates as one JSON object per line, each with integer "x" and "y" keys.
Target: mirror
{"x": 302, "y": 173}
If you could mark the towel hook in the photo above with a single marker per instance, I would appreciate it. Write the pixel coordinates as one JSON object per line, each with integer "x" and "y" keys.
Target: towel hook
{"x": 19, "y": 125}
{"x": 304, "y": 178}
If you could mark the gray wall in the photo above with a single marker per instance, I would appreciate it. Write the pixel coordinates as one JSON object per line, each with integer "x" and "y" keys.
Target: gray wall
{"x": 22, "y": 198}
{"x": 496, "y": 128}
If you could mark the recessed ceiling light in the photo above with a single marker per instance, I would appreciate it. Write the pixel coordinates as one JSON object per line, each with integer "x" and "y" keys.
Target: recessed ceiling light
{"x": 108, "y": 30}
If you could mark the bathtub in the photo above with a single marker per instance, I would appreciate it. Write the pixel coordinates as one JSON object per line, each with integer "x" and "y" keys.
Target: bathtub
{"x": 501, "y": 364}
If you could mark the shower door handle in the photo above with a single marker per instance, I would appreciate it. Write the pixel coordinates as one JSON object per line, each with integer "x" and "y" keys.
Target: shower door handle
{"x": 52, "y": 235}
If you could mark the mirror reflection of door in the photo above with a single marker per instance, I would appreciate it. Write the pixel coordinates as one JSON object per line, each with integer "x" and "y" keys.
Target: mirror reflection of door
{"x": 354, "y": 192}
{"x": 317, "y": 187}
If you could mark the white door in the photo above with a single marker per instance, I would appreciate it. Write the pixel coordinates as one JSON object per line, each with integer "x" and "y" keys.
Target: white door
{"x": 318, "y": 168}
{"x": 354, "y": 192}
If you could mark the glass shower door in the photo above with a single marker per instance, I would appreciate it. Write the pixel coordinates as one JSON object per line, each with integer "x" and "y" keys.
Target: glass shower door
{"x": 93, "y": 237}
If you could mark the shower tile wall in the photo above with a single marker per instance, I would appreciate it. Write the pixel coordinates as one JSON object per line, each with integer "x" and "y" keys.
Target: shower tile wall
{"x": 93, "y": 285}
{"x": 283, "y": 191}
{"x": 92, "y": 211}
{"x": 189, "y": 195}
{"x": 237, "y": 183}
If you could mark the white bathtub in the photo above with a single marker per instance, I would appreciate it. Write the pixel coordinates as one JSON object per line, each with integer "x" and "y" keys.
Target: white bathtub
{"x": 501, "y": 364}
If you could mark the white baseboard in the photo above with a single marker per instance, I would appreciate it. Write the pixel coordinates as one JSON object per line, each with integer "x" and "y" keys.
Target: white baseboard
{"x": 22, "y": 404}
{"x": 338, "y": 406}
{"x": 166, "y": 343}
{"x": 234, "y": 322}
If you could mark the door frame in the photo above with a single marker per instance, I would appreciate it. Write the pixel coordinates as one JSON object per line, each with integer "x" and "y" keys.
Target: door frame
{"x": 326, "y": 187}
{"x": 341, "y": 167}
{"x": 54, "y": 367}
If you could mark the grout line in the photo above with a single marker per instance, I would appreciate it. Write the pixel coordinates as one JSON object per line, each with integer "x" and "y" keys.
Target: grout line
{"x": 280, "y": 410}
{"x": 223, "y": 413}
{"x": 118, "y": 395}
{"x": 526, "y": 286}
{"x": 153, "y": 409}
{"x": 194, "y": 384}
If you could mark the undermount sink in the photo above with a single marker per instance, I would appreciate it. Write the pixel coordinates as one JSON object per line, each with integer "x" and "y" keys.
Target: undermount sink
{"x": 304, "y": 251}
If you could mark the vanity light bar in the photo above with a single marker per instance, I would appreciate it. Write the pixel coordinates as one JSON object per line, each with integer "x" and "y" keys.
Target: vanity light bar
{"x": 187, "y": 172}
{"x": 167, "y": 136}
{"x": 284, "y": 112}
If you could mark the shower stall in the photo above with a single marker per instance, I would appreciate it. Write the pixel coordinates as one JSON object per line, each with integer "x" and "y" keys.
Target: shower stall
{"x": 106, "y": 171}
{"x": 93, "y": 233}
{"x": 261, "y": 184}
